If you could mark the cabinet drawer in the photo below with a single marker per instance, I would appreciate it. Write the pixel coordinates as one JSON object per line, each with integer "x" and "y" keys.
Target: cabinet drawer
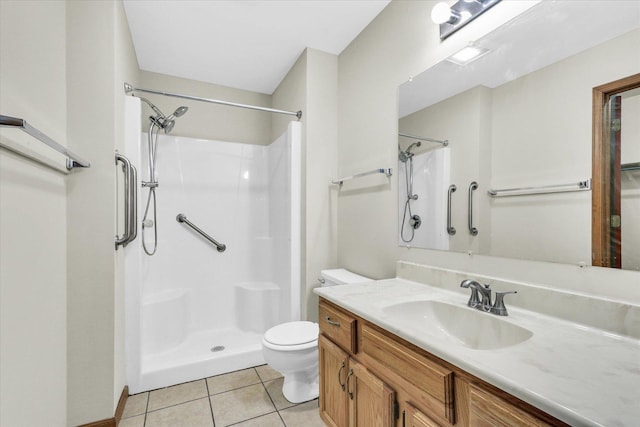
{"x": 339, "y": 326}
{"x": 488, "y": 410}
{"x": 433, "y": 382}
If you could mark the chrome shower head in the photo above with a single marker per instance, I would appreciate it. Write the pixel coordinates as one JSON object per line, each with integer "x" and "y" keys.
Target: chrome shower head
{"x": 180, "y": 111}
{"x": 405, "y": 155}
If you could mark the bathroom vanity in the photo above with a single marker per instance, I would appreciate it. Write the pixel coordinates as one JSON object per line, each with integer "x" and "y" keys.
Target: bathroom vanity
{"x": 400, "y": 353}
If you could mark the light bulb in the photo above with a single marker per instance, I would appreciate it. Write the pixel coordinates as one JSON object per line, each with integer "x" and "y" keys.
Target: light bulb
{"x": 441, "y": 13}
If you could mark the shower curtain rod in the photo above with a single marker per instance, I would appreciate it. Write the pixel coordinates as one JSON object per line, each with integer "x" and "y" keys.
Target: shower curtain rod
{"x": 128, "y": 89}
{"x": 422, "y": 138}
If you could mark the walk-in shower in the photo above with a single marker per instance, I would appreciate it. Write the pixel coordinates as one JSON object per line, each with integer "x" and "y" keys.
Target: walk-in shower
{"x": 156, "y": 123}
{"x": 194, "y": 310}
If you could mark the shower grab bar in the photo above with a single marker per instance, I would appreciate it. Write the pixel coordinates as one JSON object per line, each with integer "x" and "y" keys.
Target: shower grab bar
{"x": 545, "y": 189}
{"x": 388, "y": 172}
{"x": 72, "y": 159}
{"x": 630, "y": 166}
{"x": 221, "y": 247}
{"x": 128, "y": 89}
{"x": 444, "y": 142}
{"x": 472, "y": 187}
{"x": 451, "y": 230}
{"x": 130, "y": 203}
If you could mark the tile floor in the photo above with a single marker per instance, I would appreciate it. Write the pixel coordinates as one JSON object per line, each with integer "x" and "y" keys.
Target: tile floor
{"x": 247, "y": 398}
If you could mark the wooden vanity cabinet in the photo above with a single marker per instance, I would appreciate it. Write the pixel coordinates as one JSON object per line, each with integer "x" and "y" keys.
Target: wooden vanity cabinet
{"x": 372, "y": 378}
{"x": 350, "y": 395}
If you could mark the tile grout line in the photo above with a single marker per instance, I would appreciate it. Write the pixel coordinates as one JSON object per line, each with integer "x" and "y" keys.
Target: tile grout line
{"x": 146, "y": 409}
{"x": 213, "y": 418}
{"x": 271, "y": 399}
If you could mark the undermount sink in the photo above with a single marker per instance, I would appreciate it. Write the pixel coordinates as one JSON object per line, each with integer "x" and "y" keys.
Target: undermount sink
{"x": 458, "y": 324}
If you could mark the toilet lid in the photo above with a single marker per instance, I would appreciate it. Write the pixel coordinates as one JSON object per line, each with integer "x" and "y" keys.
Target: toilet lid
{"x": 292, "y": 333}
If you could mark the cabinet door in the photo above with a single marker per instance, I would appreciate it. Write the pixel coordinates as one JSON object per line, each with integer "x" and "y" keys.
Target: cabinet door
{"x": 415, "y": 418}
{"x": 370, "y": 400}
{"x": 334, "y": 366}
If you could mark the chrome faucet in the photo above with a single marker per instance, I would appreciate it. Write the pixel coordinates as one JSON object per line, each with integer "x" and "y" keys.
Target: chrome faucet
{"x": 484, "y": 304}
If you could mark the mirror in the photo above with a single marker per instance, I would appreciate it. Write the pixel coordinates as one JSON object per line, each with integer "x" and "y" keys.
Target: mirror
{"x": 518, "y": 121}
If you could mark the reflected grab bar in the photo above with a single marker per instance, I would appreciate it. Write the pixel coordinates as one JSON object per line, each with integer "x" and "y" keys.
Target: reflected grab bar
{"x": 130, "y": 202}
{"x": 221, "y": 247}
{"x": 473, "y": 186}
{"x": 451, "y": 230}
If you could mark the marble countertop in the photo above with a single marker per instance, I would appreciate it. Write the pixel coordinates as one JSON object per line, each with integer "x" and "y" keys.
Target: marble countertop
{"x": 580, "y": 375}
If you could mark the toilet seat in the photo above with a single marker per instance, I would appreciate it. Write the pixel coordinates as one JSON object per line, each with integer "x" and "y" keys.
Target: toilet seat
{"x": 292, "y": 336}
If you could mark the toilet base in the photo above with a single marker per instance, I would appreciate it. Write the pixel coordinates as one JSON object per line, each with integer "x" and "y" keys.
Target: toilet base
{"x": 301, "y": 387}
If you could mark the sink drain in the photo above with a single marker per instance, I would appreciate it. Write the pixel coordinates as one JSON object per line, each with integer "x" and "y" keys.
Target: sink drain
{"x": 217, "y": 348}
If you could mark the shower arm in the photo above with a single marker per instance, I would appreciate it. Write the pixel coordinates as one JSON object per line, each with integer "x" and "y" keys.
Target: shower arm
{"x": 129, "y": 89}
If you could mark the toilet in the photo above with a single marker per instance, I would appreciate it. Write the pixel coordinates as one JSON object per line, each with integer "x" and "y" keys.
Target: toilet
{"x": 292, "y": 348}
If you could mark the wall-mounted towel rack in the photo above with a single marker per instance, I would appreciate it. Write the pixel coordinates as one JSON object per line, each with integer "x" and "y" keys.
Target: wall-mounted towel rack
{"x": 388, "y": 172}
{"x": 444, "y": 142}
{"x": 630, "y": 167}
{"x": 73, "y": 160}
{"x": 524, "y": 191}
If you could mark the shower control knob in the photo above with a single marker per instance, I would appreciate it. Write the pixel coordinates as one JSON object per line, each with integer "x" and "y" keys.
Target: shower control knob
{"x": 415, "y": 222}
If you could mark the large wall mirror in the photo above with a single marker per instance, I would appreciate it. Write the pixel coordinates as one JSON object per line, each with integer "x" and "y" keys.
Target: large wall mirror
{"x": 496, "y": 155}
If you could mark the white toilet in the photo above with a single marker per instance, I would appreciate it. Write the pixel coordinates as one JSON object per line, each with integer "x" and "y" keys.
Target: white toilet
{"x": 292, "y": 348}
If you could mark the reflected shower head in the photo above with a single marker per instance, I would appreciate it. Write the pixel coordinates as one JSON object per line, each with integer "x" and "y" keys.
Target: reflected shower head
{"x": 405, "y": 155}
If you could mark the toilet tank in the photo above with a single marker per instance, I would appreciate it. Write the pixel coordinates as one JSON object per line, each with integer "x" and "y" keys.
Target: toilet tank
{"x": 340, "y": 276}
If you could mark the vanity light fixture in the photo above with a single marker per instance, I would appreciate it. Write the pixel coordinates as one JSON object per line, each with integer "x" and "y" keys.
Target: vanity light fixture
{"x": 467, "y": 54}
{"x": 453, "y": 17}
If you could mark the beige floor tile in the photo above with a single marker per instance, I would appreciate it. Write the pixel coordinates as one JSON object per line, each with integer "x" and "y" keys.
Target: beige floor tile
{"x": 132, "y": 422}
{"x": 267, "y": 373}
{"x": 269, "y": 420}
{"x": 240, "y": 405}
{"x": 136, "y": 405}
{"x": 305, "y": 414}
{"x": 232, "y": 380}
{"x": 274, "y": 388}
{"x": 196, "y": 413}
{"x": 177, "y": 394}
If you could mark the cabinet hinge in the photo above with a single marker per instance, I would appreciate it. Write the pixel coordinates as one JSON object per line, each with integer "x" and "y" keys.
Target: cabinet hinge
{"x": 396, "y": 410}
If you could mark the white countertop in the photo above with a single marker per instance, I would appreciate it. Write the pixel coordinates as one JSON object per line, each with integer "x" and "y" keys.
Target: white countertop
{"x": 580, "y": 375}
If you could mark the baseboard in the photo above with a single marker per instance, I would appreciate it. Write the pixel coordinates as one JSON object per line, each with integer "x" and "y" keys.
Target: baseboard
{"x": 113, "y": 422}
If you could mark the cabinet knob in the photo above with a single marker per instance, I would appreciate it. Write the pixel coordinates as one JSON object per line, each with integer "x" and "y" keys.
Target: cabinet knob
{"x": 331, "y": 322}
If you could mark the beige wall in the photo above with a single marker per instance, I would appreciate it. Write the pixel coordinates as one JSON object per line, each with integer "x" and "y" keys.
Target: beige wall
{"x": 99, "y": 58}
{"x": 205, "y": 120}
{"x": 33, "y": 327}
{"x": 62, "y": 324}
{"x": 311, "y": 86}
{"x": 399, "y": 43}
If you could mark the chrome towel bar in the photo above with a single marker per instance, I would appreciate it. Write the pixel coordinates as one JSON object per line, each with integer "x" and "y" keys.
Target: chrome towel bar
{"x": 388, "y": 172}
{"x": 545, "y": 189}
{"x": 73, "y": 160}
{"x": 221, "y": 247}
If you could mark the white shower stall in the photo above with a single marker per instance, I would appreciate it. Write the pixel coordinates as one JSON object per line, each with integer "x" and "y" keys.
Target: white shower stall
{"x": 192, "y": 311}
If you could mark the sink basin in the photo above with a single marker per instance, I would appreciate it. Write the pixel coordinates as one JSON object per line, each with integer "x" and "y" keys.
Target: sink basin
{"x": 458, "y": 324}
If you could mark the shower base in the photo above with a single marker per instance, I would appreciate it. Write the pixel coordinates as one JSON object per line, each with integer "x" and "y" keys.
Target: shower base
{"x": 194, "y": 358}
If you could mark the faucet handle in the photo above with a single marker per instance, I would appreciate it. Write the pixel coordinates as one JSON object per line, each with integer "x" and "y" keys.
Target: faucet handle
{"x": 498, "y": 307}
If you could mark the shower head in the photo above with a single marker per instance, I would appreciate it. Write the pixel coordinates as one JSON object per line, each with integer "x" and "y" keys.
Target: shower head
{"x": 180, "y": 111}
{"x": 417, "y": 144}
{"x": 405, "y": 155}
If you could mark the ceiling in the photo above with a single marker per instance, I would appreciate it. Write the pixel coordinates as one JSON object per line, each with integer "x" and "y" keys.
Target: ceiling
{"x": 543, "y": 35}
{"x": 248, "y": 45}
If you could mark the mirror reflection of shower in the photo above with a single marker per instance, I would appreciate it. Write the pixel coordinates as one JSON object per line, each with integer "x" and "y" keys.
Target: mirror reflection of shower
{"x": 410, "y": 222}
{"x": 156, "y": 123}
